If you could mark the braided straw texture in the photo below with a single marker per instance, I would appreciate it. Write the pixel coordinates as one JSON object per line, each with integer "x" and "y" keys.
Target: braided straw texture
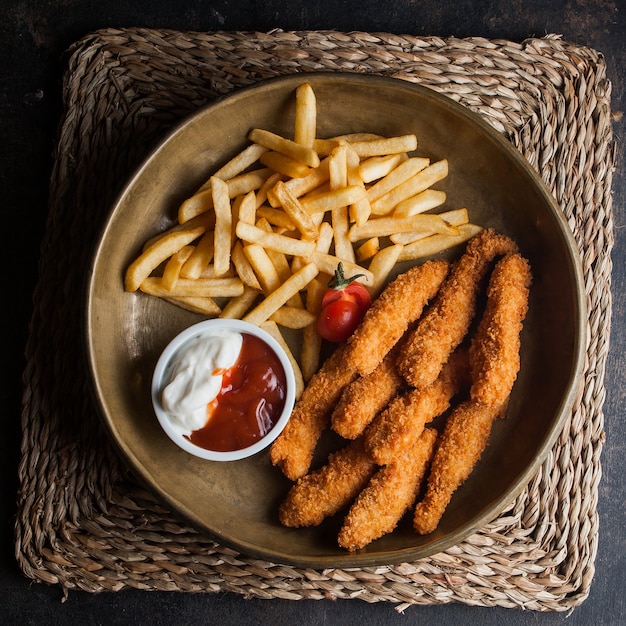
{"x": 83, "y": 521}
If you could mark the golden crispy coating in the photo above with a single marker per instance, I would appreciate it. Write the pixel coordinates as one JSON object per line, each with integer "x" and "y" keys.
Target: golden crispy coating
{"x": 362, "y": 399}
{"x": 329, "y": 489}
{"x": 445, "y": 324}
{"x": 400, "y": 304}
{"x": 495, "y": 349}
{"x": 389, "y": 494}
{"x": 400, "y": 425}
{"x": 294, "y": 448}
{"x": 460, "y": 446}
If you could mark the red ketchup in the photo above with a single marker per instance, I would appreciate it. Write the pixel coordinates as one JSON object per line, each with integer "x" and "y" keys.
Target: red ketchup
{"x": 249, "y": 403}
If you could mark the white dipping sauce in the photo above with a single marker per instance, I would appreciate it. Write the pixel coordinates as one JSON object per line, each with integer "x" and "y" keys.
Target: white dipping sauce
{"x": 195, "y": 377}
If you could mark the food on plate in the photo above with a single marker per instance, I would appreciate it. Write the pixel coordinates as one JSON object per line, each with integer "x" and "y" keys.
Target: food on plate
{"x": 392, "y": 423}
{"x": 362, "y": 399}
{"x": 224, "y": 390}
{"x": 260, "y": 240}
{"x": 495, "y": 349}
{"x": 329, "y": 489}
{"x": 446, "y": 323}
{"x": 494, "y": 362}
{"x": 460, "y": 446}
{"x": 343, "y": 306}
{"x": 389, "y": 494}
{"x": 400, "y": 304}
{"x": 294, "y": 448}
{"x": 399, "y": 426}
{"x": 278, "y": 218}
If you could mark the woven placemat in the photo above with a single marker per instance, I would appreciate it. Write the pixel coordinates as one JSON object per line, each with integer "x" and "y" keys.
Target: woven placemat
{"x": 84, "y": 522}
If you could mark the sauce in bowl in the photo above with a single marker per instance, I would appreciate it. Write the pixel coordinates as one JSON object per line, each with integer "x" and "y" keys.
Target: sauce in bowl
{"x": 249, "y": 403}
{"x": 223, "y": 389}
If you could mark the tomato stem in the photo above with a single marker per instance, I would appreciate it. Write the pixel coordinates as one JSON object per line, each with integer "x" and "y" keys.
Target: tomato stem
{"x": 339, "y": 281}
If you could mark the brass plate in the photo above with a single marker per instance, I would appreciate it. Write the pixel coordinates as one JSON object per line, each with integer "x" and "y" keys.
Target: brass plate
{"x": 237, "y": 502}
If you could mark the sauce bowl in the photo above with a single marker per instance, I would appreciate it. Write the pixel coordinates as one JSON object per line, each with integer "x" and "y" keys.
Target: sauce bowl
{"x": 161, "y": 377}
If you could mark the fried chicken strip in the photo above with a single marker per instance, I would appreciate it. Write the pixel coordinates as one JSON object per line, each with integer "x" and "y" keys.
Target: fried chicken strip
{"x": 362, "y": 399}
{"x": 389, "y": 494}
{"x": 327, "y": 490}
{"x": 294, "y": 448}
{"x": 461, "y": 445}
{"x": 386, "y": 321}
{"x": 446, "y": 322}
{"x": 495, "y": 349}
{"x": 400, "y": 425}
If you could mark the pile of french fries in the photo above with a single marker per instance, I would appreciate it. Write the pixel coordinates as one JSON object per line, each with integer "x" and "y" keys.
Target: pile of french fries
{"x": 261, "y": 238}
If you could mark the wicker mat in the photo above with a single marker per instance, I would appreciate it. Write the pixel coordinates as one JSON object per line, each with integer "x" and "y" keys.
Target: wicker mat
{"x": 85, "y": 523}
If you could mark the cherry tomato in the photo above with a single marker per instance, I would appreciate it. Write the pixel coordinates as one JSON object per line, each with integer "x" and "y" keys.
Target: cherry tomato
{"x": 343, "y": 307}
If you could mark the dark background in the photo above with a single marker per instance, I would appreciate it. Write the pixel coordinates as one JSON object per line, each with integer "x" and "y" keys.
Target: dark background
{"x": 35, "y": 35}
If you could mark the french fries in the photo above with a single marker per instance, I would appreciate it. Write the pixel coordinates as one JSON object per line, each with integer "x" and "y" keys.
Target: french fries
{"x": 262, "y": 235}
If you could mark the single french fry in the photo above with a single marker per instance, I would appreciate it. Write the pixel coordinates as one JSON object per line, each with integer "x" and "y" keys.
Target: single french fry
{"x": 155, "y": 254}
{"x": 455, "y": 217}
{"x": 247, "y": 208}
{"x": 265, "y": 188}
{"x": 325, "y": 146}
{"x": 419, "y": 203}
{"x": 272, "y": 328}
{"x": 383, "y": 226}
{"x": 243, "y": 267}
{"x": 311, "y": 339}
{"x": 414, "y": 185}
{"x": 203, "y": 306}
{"x": 387, "y": 145}
{"x": 368, "y": 249}
{"x": 285, "y": 165}
{"x": 200, "y": 287}
{"x": 305, "y": 127}
{"x": 378, "y": 167}
{"x": 171, "y": 272}
{"x": 381, "y": 265}
{"x": 325, "y": 239}
{"x": 239, "y": 163}
{"x": 296, "y": 212}
{"x": 280, "y": 243}
{"x": 327, "y": 263}
{"x": 292, "y": 317}
{"x": 286, "y": 146}
{"x": 199, "y": 258}
{"x": 276, "y": 217}
{"x": 438, "y": 243}
{"x": 237, "y": 307}
{"x": 359, "y": 211}
{"x": 280, "y": 296}
{"x": 332, "y": 199}
{"x": 223, "y": 226}
{"x": 205, "y": 220}
{"x": 338, "y": 167}
{"x": 399, "y": 175}
{"x": 263, "y": 267}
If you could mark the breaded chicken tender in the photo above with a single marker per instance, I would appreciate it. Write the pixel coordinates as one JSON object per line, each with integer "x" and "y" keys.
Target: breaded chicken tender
{"x": 389, "y": 494}
{"x": 327, "y": 490}
{"x": 495, "y": 349}
{"x": 400, "y": 425}
{"x": 386, "y": 321}
{"x": 446, "y": 322}
{"x": 294, "y": 448}
{"x": 362, "y": 399}
{"x": 460, "y": 446}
